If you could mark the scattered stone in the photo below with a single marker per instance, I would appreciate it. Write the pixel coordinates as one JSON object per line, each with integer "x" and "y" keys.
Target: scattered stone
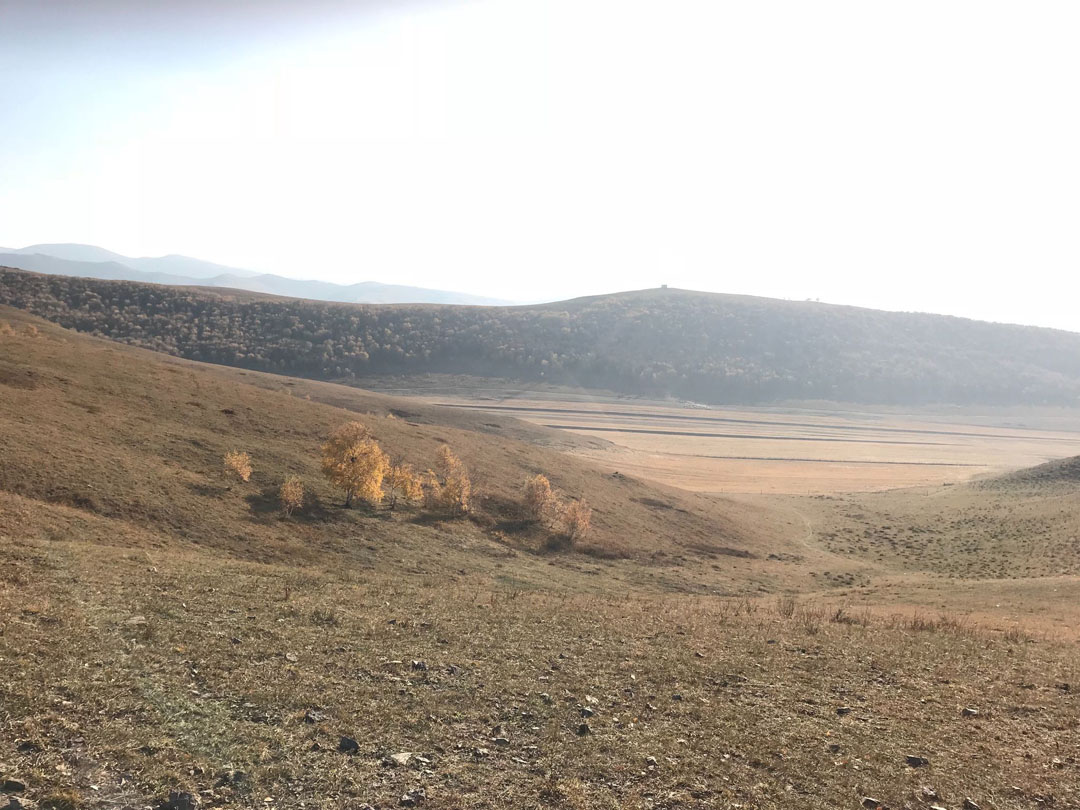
{"x": 12, "y": 786}
{"x": 181, "y": 800}
{"x": 917, "y": 762}
{"x": 583, "y": 730}
{"x": 1056, "y": 763}
{"x": 676, "y": 696}
{"x": 544, "y": 696}
{"x": 927, "y": 794}
{"x": 872, "y": 804}
{"x": 480, "y": 753}
{"x": 834, "y": 748}
{"x": 135, "y": 621}
{"x": 291, "y": 657}
{"x": 970, "y": 805}
{"x": 586, "y": 712}
{"x": 399, "y": 760}
{"x": 347, "y": 745}
{"x": 28, "y": 747}
{"x": 650, "y": 761}
{"x": 591, "y": 700}
{"x": 699, "y": 655}
{"x": 968, "y": 711}
{"x": 413, "y": 797}
{"x": 419, "y": 666}
{"x": 312, "y": 716}
{"x": 501, "y": 742}
{"x": 842, "y": 710}
{"x": 453, "y": 669}
{"x": 15, "y": 803}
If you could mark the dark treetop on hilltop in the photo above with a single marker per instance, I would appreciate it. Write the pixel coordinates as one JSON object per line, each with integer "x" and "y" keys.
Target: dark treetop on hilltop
{"x": 699, "y": 346}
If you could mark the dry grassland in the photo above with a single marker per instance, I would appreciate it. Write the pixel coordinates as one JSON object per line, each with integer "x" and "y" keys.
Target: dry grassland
{"x": 164, "y": 630}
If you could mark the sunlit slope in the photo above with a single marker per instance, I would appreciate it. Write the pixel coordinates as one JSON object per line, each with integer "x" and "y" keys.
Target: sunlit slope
{"x": 96, "y": 434}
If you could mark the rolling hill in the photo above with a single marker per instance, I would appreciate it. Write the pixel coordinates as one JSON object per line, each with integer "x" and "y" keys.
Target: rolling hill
{"x": 705, "y": 347}
{"x": 88, "y": 261}
{"x": 168, "y": 639}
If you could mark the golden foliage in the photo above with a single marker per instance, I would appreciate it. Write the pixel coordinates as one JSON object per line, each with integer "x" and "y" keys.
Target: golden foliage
{"x": 540, "y": 501}
{"x": 291, "y": 495}
{"x": 576, "y": 519}
{"x": 402, "y": 483}
{"x": 456, "y": 488}
{"x": 354, "y": 463}
{"x": 238, "y": 465}
{"x": 31, "y": 331}
{"x": 432, "y": 489}
{"x": 6, "y": 329}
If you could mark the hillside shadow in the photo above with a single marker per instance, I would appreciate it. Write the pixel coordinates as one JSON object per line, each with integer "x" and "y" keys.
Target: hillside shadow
{"x": 266, "y": 506}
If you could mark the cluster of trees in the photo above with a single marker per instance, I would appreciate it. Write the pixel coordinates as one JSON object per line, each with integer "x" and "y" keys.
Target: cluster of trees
{"x": 545, "y": 505}
{"x": 7, "y": 330}
{"x": 354, "y": 462}
{"x": 704, "y": 347}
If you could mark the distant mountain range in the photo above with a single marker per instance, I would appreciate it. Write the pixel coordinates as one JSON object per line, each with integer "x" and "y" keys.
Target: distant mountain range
{"x": 89, "y": 261}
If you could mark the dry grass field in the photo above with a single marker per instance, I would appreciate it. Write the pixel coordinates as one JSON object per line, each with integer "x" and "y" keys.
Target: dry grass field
{"x": 795, "y": 451}
{"x": 166, "y": 631}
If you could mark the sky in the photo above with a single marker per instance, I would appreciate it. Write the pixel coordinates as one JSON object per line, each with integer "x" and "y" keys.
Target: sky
{"x": 907, "y": 156}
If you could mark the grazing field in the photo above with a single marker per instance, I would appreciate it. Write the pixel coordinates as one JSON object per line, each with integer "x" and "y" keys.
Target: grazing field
{"x": 797, "y": 451}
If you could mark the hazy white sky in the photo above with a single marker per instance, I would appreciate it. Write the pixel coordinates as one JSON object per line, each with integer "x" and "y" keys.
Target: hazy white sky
{"x": 917, "y": 155}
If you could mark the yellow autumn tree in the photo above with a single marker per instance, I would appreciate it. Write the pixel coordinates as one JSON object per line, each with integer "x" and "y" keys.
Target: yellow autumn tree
{"x": 540, "y": 501}
{"x": 432, "y": 489}
{"x": 237, "y": 465}
{"x": 455, "y": 487}
{"x": 402, "y": 483}
{"x": 353, "y": 462}
{"x": 576, "y": 519}
{"x": 291, "y": 495}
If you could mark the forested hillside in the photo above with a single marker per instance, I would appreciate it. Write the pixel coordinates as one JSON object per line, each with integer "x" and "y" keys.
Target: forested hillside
{"x": 699, "y": 346}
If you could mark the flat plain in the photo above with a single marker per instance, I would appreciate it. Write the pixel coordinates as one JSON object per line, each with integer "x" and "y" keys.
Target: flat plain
{"x": 803, "y": 451}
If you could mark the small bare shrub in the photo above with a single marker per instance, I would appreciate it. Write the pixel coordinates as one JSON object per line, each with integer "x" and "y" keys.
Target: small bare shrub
{"x": 31, "y": 331}
{"x": 291, "y": 495}
{"x": 6, "y": 329}
{"x": 237, "y": 465}
{"x": 786, "y": 606}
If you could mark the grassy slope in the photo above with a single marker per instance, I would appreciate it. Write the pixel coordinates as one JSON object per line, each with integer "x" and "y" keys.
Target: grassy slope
{"x": 137, "y": 437}
{"x": 1024, "y": 524}
{"x": 163, "y": 631}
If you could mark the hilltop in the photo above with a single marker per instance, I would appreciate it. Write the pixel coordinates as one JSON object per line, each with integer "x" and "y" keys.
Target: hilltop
{"x": 659, "y": 343}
